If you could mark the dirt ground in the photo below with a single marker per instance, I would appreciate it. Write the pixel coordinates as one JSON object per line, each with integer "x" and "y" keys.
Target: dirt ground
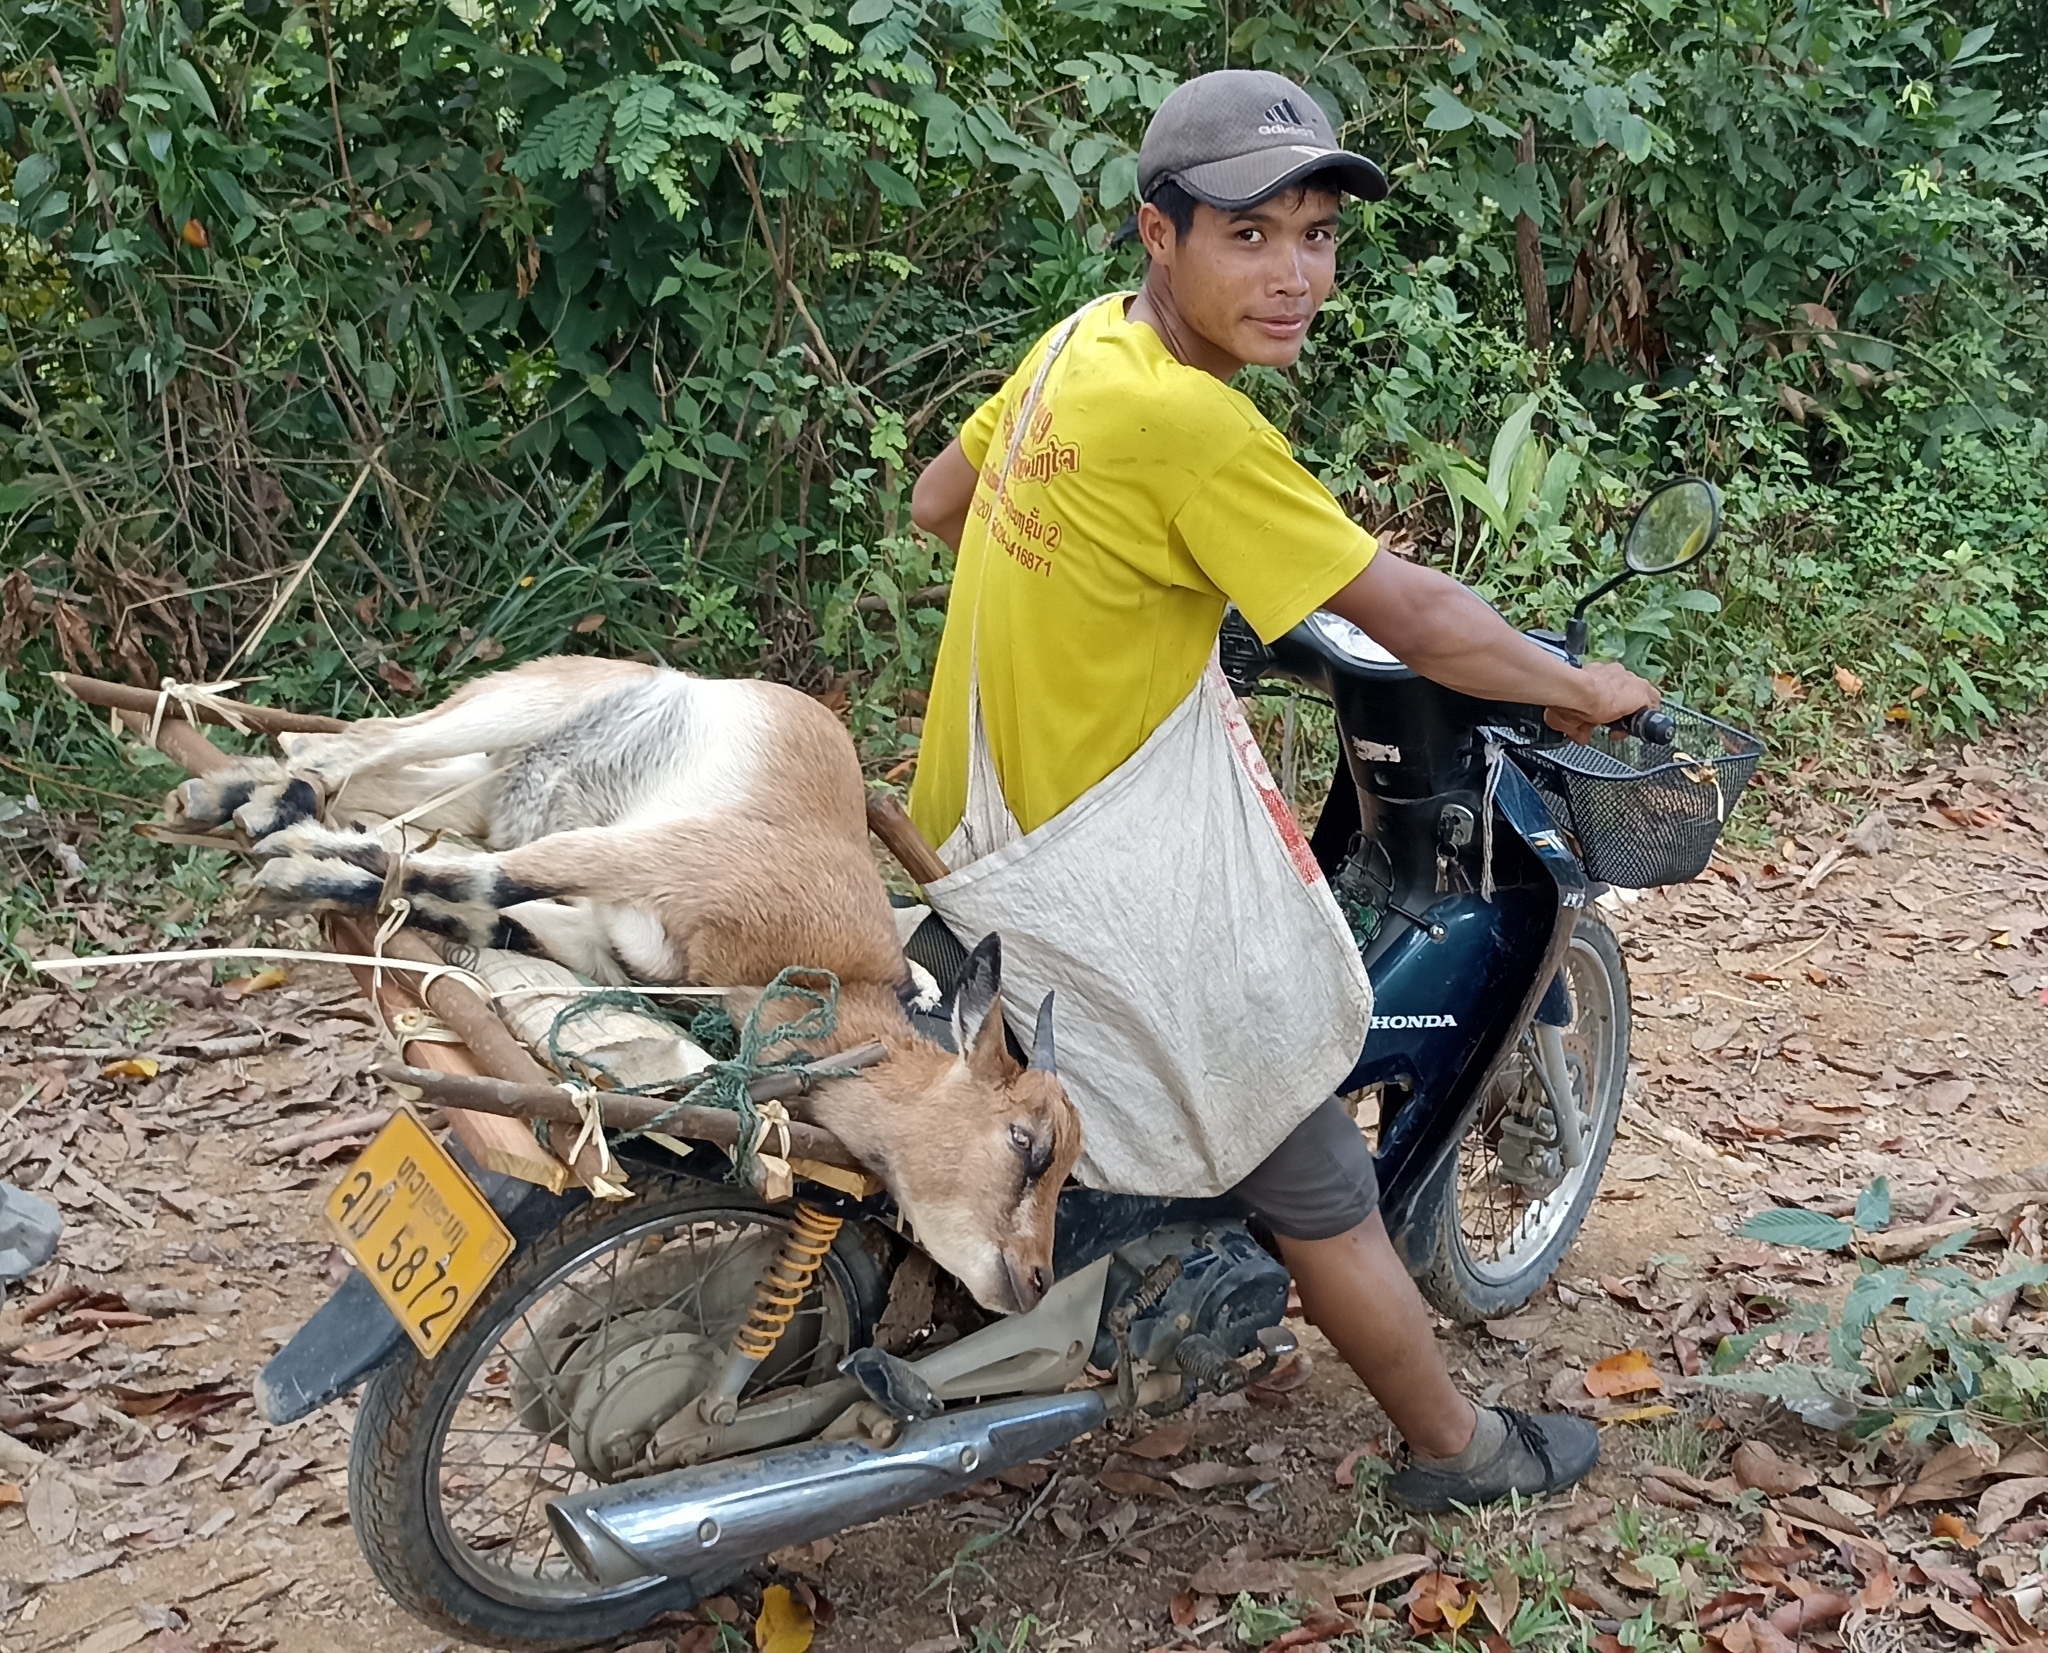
{"x": 1806, "y": 1021}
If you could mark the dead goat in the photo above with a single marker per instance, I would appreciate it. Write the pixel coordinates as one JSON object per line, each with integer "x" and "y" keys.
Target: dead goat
{"x": 645, "y": 825}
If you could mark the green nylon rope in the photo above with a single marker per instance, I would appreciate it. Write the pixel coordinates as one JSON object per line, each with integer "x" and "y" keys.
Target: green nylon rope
{"x": 725, "y": 1083}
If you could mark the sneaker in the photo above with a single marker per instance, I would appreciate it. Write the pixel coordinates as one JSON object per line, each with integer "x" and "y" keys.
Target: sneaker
{"x": 1540, "y": 1453}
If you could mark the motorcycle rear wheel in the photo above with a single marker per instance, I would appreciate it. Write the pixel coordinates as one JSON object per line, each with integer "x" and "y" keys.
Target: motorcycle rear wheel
{"x": 1490, "y": 1245}
{"x": 453, "y": 1458}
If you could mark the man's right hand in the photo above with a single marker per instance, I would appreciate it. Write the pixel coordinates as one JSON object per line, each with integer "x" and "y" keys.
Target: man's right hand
{"x": 1606, "y": 693}
{"x": 1448, "y": 634}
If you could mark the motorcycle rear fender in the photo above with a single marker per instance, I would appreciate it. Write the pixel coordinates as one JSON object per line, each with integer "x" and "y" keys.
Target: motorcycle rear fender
{"x": 353, "y": 1333}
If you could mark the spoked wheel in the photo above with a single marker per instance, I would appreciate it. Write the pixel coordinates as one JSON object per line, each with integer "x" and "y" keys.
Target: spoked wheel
{"x": 580, "y": 1349}
{"x": 1504, "y": 1208}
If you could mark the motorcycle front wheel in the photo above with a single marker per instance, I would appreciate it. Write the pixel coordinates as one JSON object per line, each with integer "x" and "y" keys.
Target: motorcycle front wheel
{"x": 1498, "y": 1217}
{"x": 584, "y": 1342}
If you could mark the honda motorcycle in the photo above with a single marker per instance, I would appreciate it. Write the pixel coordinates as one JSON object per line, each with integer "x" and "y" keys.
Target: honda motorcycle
{"x": 650, "y": 1396}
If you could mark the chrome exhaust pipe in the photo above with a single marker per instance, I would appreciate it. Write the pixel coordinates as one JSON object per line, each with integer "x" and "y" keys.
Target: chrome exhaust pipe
{"x": 717, "y": 1517}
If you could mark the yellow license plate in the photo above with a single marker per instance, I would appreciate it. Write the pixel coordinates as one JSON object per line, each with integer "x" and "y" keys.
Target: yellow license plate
{"x": 418, "y": 1228}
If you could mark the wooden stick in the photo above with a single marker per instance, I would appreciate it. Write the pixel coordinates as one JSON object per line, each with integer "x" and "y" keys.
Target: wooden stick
{"x": 627, "y": 1113}
{"x": 889, "y": 821}
{"x": 126, "y": 697}
{"x": 496, "y": 1143}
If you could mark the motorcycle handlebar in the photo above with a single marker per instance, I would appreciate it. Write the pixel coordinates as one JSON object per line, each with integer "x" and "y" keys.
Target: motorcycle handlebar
{"x": 1653, "y": 727}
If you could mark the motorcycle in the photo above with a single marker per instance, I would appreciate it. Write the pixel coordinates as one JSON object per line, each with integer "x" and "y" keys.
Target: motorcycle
{"x": 587, "y": 1450}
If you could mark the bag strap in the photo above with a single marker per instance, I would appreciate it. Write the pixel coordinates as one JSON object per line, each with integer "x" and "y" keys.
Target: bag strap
{"x": 985, "y": 817}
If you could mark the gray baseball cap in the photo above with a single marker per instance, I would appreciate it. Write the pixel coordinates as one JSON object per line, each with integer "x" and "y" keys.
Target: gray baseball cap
{"x": 1236, "y": 136}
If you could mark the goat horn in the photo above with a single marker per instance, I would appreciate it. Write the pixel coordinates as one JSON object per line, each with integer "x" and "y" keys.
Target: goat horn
{"x": 1041, "y": 1039}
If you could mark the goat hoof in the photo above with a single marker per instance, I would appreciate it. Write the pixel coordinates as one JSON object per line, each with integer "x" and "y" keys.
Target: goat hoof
{"x": 274, "y": 809}
{"x": 301, "y": 883}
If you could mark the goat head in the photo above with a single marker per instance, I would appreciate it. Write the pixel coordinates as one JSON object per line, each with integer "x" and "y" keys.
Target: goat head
{"x": 978, "y": 1145}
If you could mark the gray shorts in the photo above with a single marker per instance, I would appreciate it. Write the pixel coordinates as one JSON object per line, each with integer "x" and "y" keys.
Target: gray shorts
{"x": 1317, "y": 1184}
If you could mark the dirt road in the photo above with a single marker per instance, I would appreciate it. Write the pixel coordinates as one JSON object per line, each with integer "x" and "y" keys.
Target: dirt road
{"x": 1805, "y": 1024}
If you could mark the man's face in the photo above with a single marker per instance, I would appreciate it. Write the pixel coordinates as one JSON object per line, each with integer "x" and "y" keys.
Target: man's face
{"x": 1250, "y": 281}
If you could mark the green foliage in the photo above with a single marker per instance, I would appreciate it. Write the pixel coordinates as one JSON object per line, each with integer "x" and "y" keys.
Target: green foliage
{"x": 1788, "y": 1225}
{"x": 627, "y": 322}
{"x": 1906, "y": 1348}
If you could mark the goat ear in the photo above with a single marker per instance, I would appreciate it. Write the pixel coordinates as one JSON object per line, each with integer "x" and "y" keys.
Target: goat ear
{"x": 978, "y": 1007}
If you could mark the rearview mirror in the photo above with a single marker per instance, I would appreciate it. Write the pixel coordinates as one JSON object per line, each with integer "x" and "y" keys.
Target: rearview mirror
{"x": 1675, "y": 526}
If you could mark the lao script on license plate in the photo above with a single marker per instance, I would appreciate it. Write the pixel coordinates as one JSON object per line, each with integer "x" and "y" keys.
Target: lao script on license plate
{"x": 420, "y": 1231}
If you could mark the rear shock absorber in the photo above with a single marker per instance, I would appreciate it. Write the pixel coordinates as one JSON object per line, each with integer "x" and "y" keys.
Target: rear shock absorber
{"x": 782, "y": 1287}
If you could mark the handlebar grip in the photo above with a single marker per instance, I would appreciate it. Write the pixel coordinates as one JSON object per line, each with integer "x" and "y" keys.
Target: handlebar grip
{"x": 1652, "y": 727}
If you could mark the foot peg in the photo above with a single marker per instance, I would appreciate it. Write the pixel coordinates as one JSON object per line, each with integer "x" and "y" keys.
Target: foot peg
{"x": 893, "y": 1385}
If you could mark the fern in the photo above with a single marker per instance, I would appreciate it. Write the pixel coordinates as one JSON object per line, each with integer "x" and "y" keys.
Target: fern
{"x": 566, "y": 141}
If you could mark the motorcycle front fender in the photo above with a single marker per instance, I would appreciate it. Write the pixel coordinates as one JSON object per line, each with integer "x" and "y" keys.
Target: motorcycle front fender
{"x": 1446, "y": 1012}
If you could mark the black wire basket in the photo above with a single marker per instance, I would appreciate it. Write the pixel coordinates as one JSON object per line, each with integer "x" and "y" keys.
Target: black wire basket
{"x": 1646, "y": 813}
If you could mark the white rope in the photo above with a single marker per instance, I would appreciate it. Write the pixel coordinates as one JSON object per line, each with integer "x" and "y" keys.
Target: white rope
{"x": 778, "y": 1180}
{"x": 192, "y": 698}
{"x": 185, "y": 955}
{"x": 589, "y": 1107}
{"x": 401, "y": 822}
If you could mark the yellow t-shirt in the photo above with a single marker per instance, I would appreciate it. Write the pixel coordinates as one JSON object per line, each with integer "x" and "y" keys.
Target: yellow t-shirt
{"x": 1146, "y": 494}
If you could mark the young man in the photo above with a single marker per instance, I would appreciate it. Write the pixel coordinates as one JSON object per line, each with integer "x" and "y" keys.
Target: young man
{"x": 1150, "y": 494}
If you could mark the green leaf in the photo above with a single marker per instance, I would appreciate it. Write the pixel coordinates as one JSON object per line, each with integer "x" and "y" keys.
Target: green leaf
{"x": 1119, "y": 181}
{"x": 864, "y": 12}
{"x": 1789, "y": 1225}
{"x": 1953, "y": 1244}
{"x": 1447, "y": 112}
{"x": 1874, "y": 1205}
{"x": 1508, "y": 443}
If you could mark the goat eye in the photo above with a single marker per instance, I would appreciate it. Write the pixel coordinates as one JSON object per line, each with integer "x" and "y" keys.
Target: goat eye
{"x": 1020, "y": 1139}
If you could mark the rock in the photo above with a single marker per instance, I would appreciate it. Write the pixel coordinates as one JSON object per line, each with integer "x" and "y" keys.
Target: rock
{"x": 28, "y": 1232}
{"x": 1874, "y": 835}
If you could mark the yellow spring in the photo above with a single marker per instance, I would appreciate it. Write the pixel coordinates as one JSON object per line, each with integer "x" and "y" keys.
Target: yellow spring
{"x": 788, "y": 1278}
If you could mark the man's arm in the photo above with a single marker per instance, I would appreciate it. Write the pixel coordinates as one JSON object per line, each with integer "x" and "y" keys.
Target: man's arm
{"x": 940, "y": 496}
{"x": 1433, "y": 624}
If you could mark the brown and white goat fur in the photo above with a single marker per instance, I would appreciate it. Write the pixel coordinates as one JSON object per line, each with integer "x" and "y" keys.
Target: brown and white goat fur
{"x": 644, "y": 825}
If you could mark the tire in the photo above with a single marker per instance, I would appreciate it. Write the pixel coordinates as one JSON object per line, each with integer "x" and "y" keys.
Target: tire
{"x": 1456, "y": 1276}
{"x": 399, "y": 1465}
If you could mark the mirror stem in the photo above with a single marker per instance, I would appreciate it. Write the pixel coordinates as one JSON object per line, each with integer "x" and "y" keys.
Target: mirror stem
{"x": 1575, "y": 633}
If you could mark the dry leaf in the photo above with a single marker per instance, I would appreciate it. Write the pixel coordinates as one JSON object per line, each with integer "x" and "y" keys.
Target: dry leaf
{"x": 1949, "y": 1474}
{"x": 2004, "y": 1501}
{"x": 1634, "y": 1414}
{"x": 1128, "y": 1483}
{"x": 785, "y": 1623}
{"x": 1848, "y": 682}
{"x": 1522, "y": 1328}
{"x": 1372, "y": 1575}
{"x": 1959, "y": 1618}
{"x": 131, "y": 1067}
{"x": 52, "y": 1510}
{"x": 146, "y": 1469}
{"x": 1213, "y": 1472}
{"x": 9, "y": 1494}
{"x": 1167, "y": 1441}
{"x": 270, "y": 977}
{"x": 1288, "y": 1376}
{"x": 1629, "y": 1373}
{"x": 1502, "y": 1598}
{"x": 1435, "y": 1600}
{"x": 1242, "y": 1576}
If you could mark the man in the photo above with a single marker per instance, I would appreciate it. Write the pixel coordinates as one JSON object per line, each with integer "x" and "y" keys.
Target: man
{"x": 1156, "y": 496}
